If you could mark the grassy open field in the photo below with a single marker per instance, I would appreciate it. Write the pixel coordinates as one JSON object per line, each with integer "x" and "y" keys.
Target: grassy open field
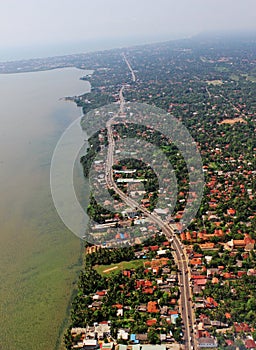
{"x": 214, "y": 82}
{"x": 115, "y": 268}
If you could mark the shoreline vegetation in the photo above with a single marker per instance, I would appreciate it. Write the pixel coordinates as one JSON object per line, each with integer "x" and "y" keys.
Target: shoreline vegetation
{"x": 62, "y": 329}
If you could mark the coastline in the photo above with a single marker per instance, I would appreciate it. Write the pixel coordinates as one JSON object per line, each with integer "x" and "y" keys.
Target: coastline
{"x": 59, "y": 345}
{"x": 80, "y": 261}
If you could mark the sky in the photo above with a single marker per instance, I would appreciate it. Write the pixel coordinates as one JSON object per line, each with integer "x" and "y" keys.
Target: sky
{"x": 65, "y": 24}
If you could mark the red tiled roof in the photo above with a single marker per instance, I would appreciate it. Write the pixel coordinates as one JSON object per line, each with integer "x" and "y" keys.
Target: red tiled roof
{"x": 151, "y": 322}
{"x": 241, "y": 327}
{"x": 183, "y": 236}
{"x": 229, "y": 342}
{"x": 188, "y": 236}
{"x": 197, "y": 255}
{"x": 101, "y": 293}
{"x": 241, "y": 273}
{"x": 197, "y": 277}
{"x": 201, "y": 282}
{"x": 211, "y": 302}
{"x": 231, "y": 211}
{"x": 152, "y": 307}
{"x": 250, "y": 344}
{"x": 196, "y": 261}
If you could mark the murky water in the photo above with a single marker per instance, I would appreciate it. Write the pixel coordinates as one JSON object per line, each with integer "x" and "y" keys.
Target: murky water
{"x": 38, "y": 255}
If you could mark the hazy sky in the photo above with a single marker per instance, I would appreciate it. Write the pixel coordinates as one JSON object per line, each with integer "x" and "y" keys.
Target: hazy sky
{"x": 43, "y": 22}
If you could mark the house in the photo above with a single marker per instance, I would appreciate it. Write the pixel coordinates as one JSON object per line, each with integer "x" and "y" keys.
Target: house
{"x": 242, "y": 327}
{"x": 251, "y": 272}
{"x": 151, "y": 322}
{"x": 99, "y": 295}
{"x": 103, "y": 329}
{"x": 164, "y": 310}
{"x": 210, "y": 302}
{"x": 163, "y": 337}
{"x": 162, "y": 252}
{"x": 200, "y": 282}
{"x": 231, "y": 211}
{"x": 152, "y": 307}
{"x": 197, "y": 290}
{"x": 90, "y": 344}
{"x": 174, "y": 317}
{"x": 107, "y": 346}
{"x": 229, "y": 342}
{"x": 123, "y": 334}
{"x": 207, "y": 246}
{"x": 219, "y": 324}
{"x": 207, "y": 342}
{"x": 127, "y": 273}
{"x": 122, "y": 347}
{"x": 153, "y": 347}
{"x": 96, "y": 305}
{"x": 133, "y": 338}
{"x": 142, "y": 308}
{"x": 142, "y": 337}
{"x": 250, "y": 344}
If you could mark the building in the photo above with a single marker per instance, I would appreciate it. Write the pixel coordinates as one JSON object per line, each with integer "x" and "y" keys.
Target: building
{"x": 207, "y": 342}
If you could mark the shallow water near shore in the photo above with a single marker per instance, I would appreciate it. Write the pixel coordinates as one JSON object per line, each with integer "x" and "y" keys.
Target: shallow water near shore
{"x": 39, "y": 257}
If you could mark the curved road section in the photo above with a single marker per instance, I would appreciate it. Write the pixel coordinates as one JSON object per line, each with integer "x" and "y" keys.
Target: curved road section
{"x": 180, "y": 255}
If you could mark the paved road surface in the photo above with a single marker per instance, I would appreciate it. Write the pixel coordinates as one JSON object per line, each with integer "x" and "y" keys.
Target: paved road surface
{"x": 186, "y": 309}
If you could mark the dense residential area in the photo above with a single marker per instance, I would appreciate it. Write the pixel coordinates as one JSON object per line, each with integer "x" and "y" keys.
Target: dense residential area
{"x": 129, "y": 295}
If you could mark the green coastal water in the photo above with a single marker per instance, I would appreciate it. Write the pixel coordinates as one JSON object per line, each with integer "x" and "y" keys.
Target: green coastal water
{"x": 39, "y": 257}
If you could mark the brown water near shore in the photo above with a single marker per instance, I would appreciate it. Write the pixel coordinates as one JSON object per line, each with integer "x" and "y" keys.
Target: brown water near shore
{"x": 39, "y": 257}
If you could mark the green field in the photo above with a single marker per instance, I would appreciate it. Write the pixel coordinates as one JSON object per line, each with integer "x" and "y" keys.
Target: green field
{"x": 115, "y": 268}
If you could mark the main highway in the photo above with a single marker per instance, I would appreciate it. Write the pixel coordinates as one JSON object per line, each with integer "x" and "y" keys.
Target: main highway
{"x": 180, "y": 255}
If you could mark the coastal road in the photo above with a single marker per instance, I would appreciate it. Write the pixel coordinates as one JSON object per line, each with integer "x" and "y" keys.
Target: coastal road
{"x": 130, "y": 67}
{"x": 180, "y": 255}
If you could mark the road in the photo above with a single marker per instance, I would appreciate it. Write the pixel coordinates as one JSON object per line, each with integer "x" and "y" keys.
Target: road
{"x": 130, "y": 67}
{"x": 232, "y": 104}
{"x": 186, "y": 309}
{"x": 180, "y": 255}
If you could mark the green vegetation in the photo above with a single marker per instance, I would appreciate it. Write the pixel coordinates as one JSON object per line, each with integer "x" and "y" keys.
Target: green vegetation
{"x": 117, "y": 268}
{"x": 207, "y": 88}
{"x": 109, "y": 256}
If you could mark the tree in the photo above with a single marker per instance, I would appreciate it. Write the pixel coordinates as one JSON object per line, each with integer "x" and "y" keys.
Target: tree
{"x": 153, "y": 337}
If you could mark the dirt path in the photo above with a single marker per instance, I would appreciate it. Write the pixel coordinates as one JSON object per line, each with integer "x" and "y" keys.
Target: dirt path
{"x": 111, "y": 269}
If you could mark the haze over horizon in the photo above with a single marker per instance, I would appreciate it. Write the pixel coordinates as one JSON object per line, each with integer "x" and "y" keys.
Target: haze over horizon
{"x": 41, "y": 28}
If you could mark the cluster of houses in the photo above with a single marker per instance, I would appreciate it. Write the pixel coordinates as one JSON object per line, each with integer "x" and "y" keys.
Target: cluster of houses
{"x": 162, "y": 278}
{"x": 200, "y": 275}
{"x": 233, "y": 177}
